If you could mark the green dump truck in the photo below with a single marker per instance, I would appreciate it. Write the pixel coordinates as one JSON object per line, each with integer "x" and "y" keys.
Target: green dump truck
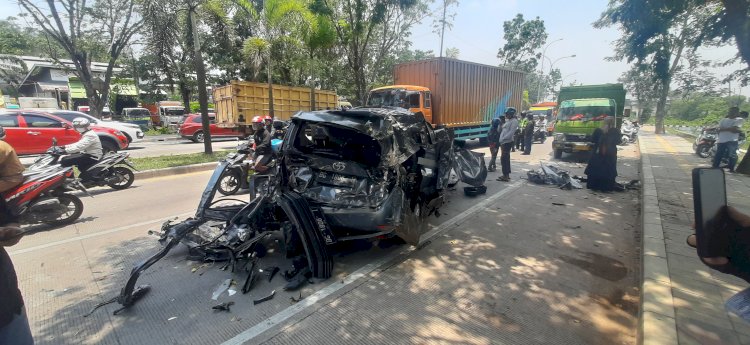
{"x": 581, "y": 111}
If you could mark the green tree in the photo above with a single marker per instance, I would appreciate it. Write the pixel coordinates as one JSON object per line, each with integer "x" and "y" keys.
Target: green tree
{"x": 655, "y": 38}
{"x": 368, "y": 31}
{"x": 82, "y": 29}
{"x": 452, "y": 53}
{"x": 640, "y": 83}
{"x": 523, "y": 40}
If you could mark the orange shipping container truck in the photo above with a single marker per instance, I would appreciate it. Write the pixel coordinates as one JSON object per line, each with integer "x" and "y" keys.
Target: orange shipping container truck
{"x": 238, "y": 102}
{"x": 462, "y": 95}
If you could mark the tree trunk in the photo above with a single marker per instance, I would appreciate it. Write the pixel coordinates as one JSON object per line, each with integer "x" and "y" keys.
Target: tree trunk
{"x": 184, "y": 94}
{"x": 739, "y": 26}
{"x": 200, "y": 72}
{"x": 313, "y": 106}
{"x": 270, "y": 84}
{"x": 661, "y": 105}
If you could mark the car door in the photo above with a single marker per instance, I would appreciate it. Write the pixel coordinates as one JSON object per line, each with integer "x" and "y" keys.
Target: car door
{"x": 15, "y": 135}
{"x": 41, "y": 129}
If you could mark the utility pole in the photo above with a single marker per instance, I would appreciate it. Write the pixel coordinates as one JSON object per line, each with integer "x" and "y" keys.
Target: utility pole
{"x": 442, "y": 31}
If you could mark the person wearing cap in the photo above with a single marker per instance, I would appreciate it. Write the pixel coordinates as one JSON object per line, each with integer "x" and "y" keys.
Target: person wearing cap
{"x": 14, "y": 325}
{"x": 506, "y": 142}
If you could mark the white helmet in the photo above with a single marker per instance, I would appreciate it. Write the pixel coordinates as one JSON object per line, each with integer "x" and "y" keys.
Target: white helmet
{"x": 81, "y": 124}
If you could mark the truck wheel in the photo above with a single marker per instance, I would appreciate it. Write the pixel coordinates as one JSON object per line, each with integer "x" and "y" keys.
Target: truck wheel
{"x": 558, "y": 154}
{"x": 483, "y": 141}
{"x": 198, "y": 137}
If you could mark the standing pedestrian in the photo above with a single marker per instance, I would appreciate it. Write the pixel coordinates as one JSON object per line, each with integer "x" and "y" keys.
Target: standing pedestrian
{"x": 518, "y": 135}
{"x": 14, "y": 325}
{"x": 602, "y": 168}
{"x": 506, "y": 142}
{"x": 729, "y": 135}
{"x": 493, "y": 138}
{"x": 528, "y": 134}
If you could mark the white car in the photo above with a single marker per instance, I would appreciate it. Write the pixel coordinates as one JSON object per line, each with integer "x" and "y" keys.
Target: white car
{"x": 132, "y": 131}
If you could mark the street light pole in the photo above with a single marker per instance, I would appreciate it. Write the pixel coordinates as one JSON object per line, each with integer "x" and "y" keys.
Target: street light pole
{"x": 552, "y": 66}
{"x": 541, "y": 69}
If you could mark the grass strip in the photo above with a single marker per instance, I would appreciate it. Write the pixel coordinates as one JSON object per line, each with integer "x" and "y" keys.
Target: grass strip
{"x": 161, "y": 162}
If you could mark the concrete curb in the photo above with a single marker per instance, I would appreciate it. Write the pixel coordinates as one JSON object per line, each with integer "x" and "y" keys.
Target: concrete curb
{"x": 656, "y": 319}
{"x": 186, "y": 169}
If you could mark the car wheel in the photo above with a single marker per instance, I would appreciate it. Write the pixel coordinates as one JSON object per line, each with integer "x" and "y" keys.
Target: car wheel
{"x": 108, "y": 146}
{"x": 198, "y": 137}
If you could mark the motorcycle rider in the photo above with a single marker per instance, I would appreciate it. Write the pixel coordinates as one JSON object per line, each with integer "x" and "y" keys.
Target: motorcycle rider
{"x": 85, "y": 152}
{"x": 11, "y": 175}
{"x": 14, "y": 325}
{"x": 268, "y": 121}
{"x": 262, "y": 139}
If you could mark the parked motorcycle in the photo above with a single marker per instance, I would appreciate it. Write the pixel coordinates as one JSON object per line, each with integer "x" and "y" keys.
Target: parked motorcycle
{"x": 704, "y": 143}
{"x": 540, "y": 134}
{"x": 629, "y": 132}
{"x": 725, "y": 160}
{"x": 43, "y": 198}
{"x": 113, "y": 169}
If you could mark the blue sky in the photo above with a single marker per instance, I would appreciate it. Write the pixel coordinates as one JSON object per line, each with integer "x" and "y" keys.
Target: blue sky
{"x": 478, "y": 32}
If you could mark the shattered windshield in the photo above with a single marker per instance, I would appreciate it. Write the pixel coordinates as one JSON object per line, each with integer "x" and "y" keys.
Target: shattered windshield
{"x": 577, "y": 110}
{"x": 394, "y": 98}
{"x": 337, "y": 143}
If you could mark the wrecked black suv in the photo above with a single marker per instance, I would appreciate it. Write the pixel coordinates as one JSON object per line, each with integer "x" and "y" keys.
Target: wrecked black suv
{"x": 373, "y": 172}
{"x": 340, "y": 176}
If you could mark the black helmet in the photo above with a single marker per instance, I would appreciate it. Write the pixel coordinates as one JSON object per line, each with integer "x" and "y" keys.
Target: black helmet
{"x": 2, "y": 133}
{"x": 510, "y": 111}
{"x": 495, "y": 122}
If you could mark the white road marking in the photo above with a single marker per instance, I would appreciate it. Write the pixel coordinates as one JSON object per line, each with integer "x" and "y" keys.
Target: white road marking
{"x": 321, "y": 294}
{"x": 102, "y": 233}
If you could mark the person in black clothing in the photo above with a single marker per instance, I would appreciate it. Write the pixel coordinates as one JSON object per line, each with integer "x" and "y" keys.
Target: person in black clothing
{"x": 528, "y": 134}
{"x": 262, "y": 140}
{"x": 14, "y": 325}
{"x": 493, "y": 138}
{"x": 602, "y": 167}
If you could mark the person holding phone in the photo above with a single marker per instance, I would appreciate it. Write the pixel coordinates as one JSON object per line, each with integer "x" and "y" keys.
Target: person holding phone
{"x": 722, "y": 237}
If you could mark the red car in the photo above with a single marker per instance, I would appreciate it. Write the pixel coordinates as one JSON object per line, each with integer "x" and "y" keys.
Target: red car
{"x": 192, "y": 129}
{"x": 31, "y": 132}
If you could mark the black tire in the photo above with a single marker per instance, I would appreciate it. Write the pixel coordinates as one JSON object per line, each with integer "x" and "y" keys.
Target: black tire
{"x": 69, "y": 200}
{"x": 703, "y": 151}
{"x": 543, "y": 140}
{"x": 483, "y": 141}
{"x": 130, "y": 140}
{"x": 109, "y": 146}
{"x": 229, "y": 183}
{"x": 128, "y": 177}
{"x": 557, "y": 154}
{"x": 198, "y": 137}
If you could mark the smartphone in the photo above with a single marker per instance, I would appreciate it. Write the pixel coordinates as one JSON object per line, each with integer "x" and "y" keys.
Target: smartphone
{"x": 710, "y": 201}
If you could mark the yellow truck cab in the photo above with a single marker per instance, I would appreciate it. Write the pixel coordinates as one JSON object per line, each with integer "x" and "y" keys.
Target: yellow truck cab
{"x": 411, "y": 97}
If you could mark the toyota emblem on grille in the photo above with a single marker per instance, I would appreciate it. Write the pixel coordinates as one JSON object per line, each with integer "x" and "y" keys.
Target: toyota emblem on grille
{"x": 339, "y": 166}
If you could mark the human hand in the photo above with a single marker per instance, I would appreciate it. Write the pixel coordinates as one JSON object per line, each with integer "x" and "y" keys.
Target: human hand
{"x": 10, "y": 235}
{"x": 738, "y": 217}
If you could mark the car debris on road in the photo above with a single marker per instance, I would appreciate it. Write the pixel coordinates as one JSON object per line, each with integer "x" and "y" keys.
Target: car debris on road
{"x": 363, "y": 174}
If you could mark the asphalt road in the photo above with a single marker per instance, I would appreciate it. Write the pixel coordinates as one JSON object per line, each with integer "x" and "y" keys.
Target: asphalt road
{"x": 65, "y": 272}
